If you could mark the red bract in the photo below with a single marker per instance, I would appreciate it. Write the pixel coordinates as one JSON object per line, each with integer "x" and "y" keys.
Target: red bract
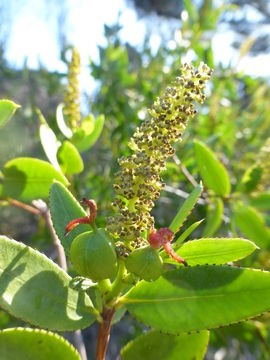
{"x": 163, "y": 237}
{"x": 90, "y": 219}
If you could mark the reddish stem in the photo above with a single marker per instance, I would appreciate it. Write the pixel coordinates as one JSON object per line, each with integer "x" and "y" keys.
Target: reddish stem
{"x": 169, "y": 250}
{"x": 104, "y": 333}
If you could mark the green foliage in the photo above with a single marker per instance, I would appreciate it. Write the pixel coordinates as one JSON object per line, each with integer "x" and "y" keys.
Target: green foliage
{"x": 7, "y": 109}
{"x": 36, "y": 290}
{"x": 29, "y": 179}
{"x": 69, "y": 159}
{"x": 214, "y": 251}
{"x": 185, "y": 209}
{"x": 213, "y": 173}
{"x": 198, "y": 298}
{"x": 214, "y": 215}
{"x": 32, "y": 344}
{"x": 64, "y": 208}
{"x": 155, "y": 345}
{"x": 252, "y": 225}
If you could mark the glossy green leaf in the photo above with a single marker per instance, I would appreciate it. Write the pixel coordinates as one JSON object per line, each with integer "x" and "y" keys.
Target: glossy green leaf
{"x": 251, "y": 224}
{"x": 29, "y": 179}
{"x": 64, "y": 208}
{"x": 186, "y": 233}
{"x": 212, "y": 171}
{"x": 48, "y": 141}
{"x": 69, "y": 159}
{"x": 7, "y": 109}
{"x": 33, "y": 344}
{"x": 214, "y": 251}
{"x": 185, "y": 209}
{"x": 199, "y": 298}
{"x": 153, "y": 345}
{"x": 86, "y": 136}
{"x": 36, "y": 290}
{"x": 214, "y": 216}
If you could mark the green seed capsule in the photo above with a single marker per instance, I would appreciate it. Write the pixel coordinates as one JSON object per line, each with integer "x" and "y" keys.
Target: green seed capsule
{"x": 93, "y": 255}
{"x": 145, "y": 263}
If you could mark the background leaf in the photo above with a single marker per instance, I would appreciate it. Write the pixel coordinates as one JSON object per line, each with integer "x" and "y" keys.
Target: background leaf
{"x": 213, "y": 251}
{"x": 214, "y": 217}
{"x": 251, "y": 224}
{"x": 7, "y": 109}
{"x": 48, "y": 140}
{"x": 64, "y": 208}
{"x": 198, "y": 298}
{"x": 69, "y": 159}
{"x": 29, "y": 179}
{"x": 213, "y": 173}
{"x": 185, "y": 209}
{"x": 89, "y": 132}
{"x": 36, "y": 290}
{"x": 33, "y": 344}
{"x": 154, "y": 345}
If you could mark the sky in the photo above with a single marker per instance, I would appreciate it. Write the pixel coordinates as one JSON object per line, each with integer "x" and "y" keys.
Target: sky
{"x": 32, "y": 29}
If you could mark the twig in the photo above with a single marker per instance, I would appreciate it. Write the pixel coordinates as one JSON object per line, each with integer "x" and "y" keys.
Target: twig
{"x": 104, "y": 333}
{"x": 185, "y": 171}
{"x": 182, "y": 194}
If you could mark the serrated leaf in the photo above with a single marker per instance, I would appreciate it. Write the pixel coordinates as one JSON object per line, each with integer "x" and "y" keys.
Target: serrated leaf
{"x": 32, "y": 344}
{"x": 154, "y": 345}
{"x": 64, "y": 208}
{"x": 29, "y": 179}
{"x": 7, "y": 110}
{"x": 86, "y": 136}
{"x": 36, "y": 290}
{"x": 214, "y": 251}
{"x": 65, "y": 130}
{"x": 199, "y": 298}
{"x": 48, "y": 140}
{"x": 214, "y": 216}
{"x": 251, "y": 224}
{"x": 69, "y": 159}
{"x": 212, "y": 171}
{"x": 185, "y": 209}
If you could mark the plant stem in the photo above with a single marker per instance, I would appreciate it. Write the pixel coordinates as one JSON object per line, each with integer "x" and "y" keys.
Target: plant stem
{"x": 118, "y": 283}
{"x": 104, "y": 333}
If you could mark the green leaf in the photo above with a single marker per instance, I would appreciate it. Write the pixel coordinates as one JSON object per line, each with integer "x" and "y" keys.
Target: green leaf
{"x": 32, "y": 344}
{"x": 261, "y": 201}
{"x": 69, "y": 159}
{"x": 154, "y": 345}
{"x": 252, "y": 225}
{"x": 186, "y": 234}
{"x": 48, "y": 141}
{"x": 28, "y": 179}
{"x": 65, "y": 130}
{"x": 64, "y": 208}
{"x": 199, "y": 298}
{"x": 185, "y": 209}
{"x": 251, "y": 178}
{"x": 36, "y": 290}
{"x": 213, "y": 173}
{"x": 214, "y": 216}
{"x": 7, "y": 109}
{"x": 214, "y": 251}
{"x": 86, "y": 136}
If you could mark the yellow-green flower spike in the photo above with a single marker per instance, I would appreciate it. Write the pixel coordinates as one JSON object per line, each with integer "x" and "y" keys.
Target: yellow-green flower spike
{"x": 72, "y": 93}
{"x": 138, "y": 183}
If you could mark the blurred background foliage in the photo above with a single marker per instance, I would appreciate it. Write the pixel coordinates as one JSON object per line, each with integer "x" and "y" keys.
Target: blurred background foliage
{"x": 234, "y": 123}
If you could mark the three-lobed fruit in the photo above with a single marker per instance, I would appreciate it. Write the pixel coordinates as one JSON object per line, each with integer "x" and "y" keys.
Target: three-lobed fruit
{"x": 145, "y": 263}
{"x": 93, "y": 255}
